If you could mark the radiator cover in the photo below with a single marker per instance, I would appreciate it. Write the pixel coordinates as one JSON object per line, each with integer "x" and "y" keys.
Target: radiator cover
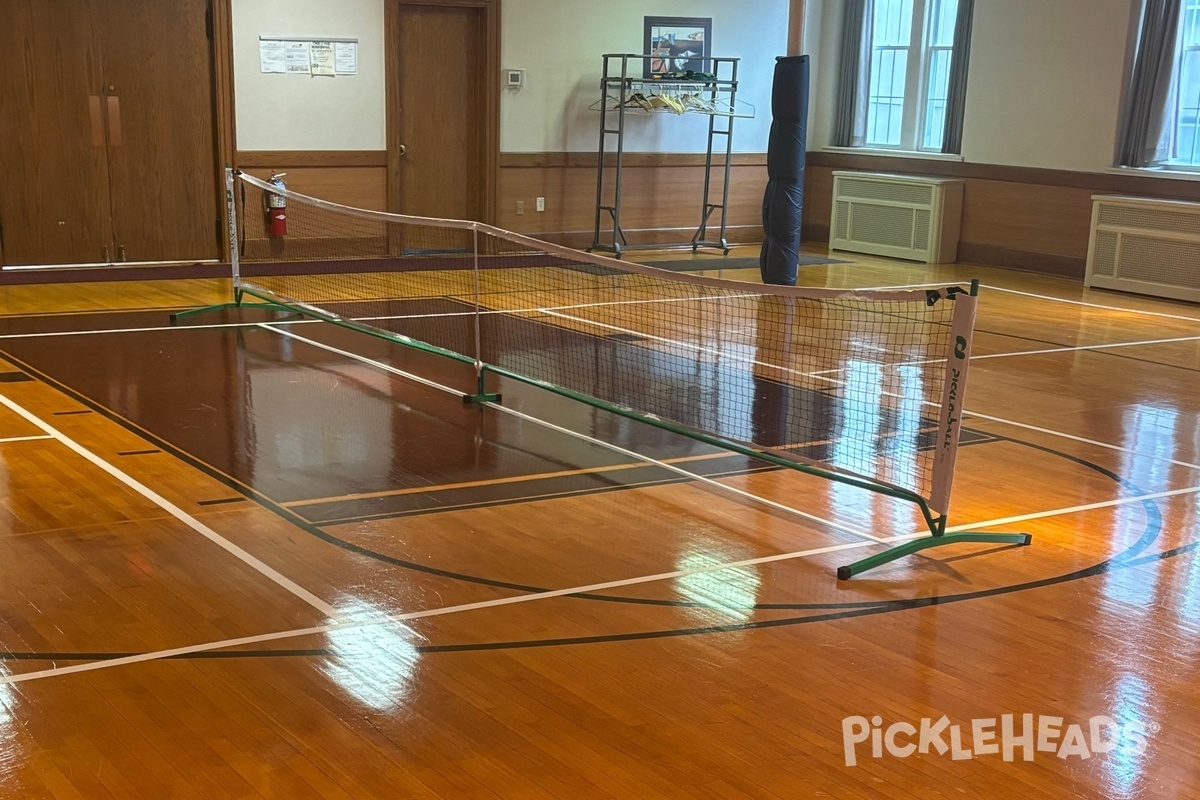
{"x": 911, "y": 217}
{"x": 1145, "y": 246}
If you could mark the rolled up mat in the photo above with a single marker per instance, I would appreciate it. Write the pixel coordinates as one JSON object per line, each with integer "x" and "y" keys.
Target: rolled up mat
{"x": 783, "y": 203}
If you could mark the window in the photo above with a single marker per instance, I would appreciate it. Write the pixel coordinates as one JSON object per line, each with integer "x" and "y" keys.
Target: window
{"x": 909, "y": 72}
{"x": 1186, "y": 152}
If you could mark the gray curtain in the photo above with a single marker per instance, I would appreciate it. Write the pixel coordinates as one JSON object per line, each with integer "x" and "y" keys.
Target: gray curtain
{"x": 850, "y": 115}
{"x": 956, "y": 96}
{"x": 1147, "y": 132}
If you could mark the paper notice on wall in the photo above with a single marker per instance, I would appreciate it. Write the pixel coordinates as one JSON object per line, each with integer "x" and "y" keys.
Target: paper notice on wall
{"x": 271, "y": 56}
{"x": 322, "y": 58}
{"x": 297, "y": 58}
{"x": 345, "y": 58}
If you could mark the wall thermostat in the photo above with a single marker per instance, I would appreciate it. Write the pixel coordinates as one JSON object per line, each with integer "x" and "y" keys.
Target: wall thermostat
{"x": 514, "y": 78}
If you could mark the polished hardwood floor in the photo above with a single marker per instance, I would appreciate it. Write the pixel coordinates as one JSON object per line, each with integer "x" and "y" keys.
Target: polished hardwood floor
{"x": 242, "y": 564}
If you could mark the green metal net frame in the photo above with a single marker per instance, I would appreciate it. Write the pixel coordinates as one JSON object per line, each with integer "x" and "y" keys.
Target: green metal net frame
{"x": 936, "y": 522}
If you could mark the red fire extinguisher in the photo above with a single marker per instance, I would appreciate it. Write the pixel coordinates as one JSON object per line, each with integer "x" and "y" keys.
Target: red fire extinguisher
{"x": 277, "y": 208}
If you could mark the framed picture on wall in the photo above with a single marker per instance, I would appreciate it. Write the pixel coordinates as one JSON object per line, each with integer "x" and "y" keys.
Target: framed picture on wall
{"x": 678, "y": 44}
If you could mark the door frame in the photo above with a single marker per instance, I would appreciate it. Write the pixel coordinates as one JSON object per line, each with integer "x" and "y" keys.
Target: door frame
{"x": 491, "y": 91}
{"x": 220, "y": 26}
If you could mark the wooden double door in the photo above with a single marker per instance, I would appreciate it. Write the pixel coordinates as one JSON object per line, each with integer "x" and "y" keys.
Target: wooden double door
{"x": 108, "y": 123}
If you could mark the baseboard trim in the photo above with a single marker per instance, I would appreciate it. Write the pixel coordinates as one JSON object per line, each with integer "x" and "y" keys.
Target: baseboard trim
{"x": 663, "y": 237}
{"x": 566, "y": 160}
{"x": 1044, "y": 263}
{"x": 991, "y": 255}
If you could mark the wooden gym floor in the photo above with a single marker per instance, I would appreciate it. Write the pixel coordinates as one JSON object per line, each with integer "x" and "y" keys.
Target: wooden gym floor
{"x": 236, "y": 564}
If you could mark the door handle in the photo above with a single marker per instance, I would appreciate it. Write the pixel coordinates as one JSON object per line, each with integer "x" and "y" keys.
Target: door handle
{"x": 114, "y": 121}
{"x": 96, "y": 119}
{"x": 403, "y": 149}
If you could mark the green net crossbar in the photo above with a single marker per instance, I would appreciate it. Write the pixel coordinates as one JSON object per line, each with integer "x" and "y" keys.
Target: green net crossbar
{"x": 863, "y": 386}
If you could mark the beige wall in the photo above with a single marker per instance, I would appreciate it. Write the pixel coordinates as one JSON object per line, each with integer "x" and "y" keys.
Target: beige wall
{"x": 303, "y": 112}
{"x": 1045, "y": 83}
{"x": 1044, "y": 87}
{"x": 559, "y": 43}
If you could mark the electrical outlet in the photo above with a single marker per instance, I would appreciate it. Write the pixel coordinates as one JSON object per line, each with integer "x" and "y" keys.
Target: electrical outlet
{"x": 520, "y": 207}
{"x": 541, "y": 204}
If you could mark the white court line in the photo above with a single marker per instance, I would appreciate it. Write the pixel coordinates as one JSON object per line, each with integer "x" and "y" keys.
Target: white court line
{"x": 1088, "y": 347}
{"x": 1014, "y": 354}
{"x": 1122, "y": 501}
{"x": 607, "y": 445}
{"x": 177, "y": 512}
{"x": 224, "y": 644}
{"x": 51, "y": 334}
{"x": 1084, "y": 440}
{"x": 823, "y": 376}
{"x": 432, "y": 612}
{"x": 1094, "y": 305}
{"x": 25, "y": 439}
{"x": 448, "y": 314}
{"x": 715, "y": 351}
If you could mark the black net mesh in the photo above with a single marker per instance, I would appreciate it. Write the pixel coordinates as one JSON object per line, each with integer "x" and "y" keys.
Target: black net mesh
{"x": 851, "y": 381}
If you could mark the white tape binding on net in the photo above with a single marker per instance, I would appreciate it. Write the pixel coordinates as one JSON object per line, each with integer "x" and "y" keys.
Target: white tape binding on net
{"x": 579, "y": 257}
{"x": 954, "y": 392}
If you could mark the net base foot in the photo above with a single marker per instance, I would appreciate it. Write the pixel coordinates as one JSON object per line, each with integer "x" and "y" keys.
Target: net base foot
{"x": 917, "y": 545}
{"x": 477, "y": 399}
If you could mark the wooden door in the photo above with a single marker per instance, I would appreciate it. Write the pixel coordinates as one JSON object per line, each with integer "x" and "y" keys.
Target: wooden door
{"x": 441, "y": 115}
{"x": 54, "y": 201}
{"x": 159, "y": 102}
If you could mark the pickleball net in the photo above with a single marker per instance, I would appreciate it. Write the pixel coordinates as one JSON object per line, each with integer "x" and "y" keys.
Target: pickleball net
{"x": 862, "y": 387}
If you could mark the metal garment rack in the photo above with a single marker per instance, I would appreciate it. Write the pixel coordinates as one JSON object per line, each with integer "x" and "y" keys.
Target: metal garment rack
{"x": 621, "y": 88}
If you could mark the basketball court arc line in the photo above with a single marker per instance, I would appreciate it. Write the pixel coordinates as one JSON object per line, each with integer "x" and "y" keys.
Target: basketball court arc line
{"x": 175, "y": 511}
{"x": 316, "y": 630}
{"x": 393, "y": 619}
{"x": 599, "y": 442}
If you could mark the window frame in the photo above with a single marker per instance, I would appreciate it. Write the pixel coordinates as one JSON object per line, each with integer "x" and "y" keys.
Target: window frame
{"x": 919, "y": 66}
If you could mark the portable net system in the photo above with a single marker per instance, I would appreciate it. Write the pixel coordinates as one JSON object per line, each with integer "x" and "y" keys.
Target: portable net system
{"x": 863, "y": 387}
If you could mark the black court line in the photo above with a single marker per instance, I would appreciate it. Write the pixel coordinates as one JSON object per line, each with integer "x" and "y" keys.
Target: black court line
{"x": 425, "y": 503}
{"x": 222, "y": 501}
{"x": 300, "y": 522}
{"x": 68, "y": 413}
{"x": 139, "y": 452}
{"x": 850, "y": 609}
{"x": 1129, "y": 558}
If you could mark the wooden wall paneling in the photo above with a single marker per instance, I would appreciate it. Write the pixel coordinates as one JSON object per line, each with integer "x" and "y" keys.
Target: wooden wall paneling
{"x": 652, "y": 211}
{"x": 314, "y": 233}
{"x": 163, "y": 172}
{"x": 1033, "y": 219}
{"x": 54, "y": 200}
{"x": 362, "y": 187}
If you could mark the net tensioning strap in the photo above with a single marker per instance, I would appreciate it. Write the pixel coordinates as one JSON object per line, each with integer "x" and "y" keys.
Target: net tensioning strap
{"x": 863, "y": 386}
